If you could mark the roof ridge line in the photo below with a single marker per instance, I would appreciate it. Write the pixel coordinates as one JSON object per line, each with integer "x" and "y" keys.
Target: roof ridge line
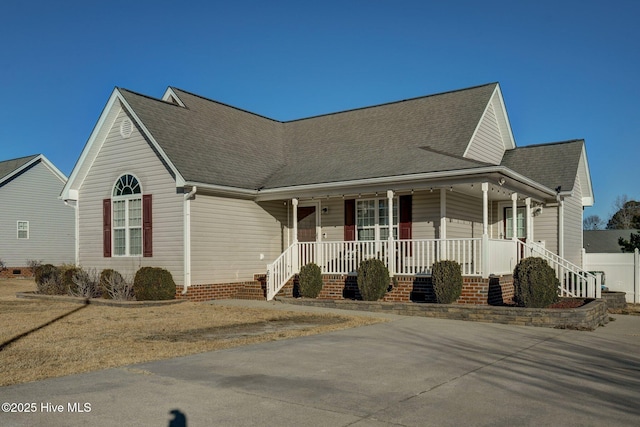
{"x": 204, "y": 98}
{"x": 392, "y": 102}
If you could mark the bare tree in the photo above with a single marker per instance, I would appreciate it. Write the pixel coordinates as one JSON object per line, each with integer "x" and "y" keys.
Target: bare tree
{"x": 626, "y": 214}
{"x": 592, "y": 222}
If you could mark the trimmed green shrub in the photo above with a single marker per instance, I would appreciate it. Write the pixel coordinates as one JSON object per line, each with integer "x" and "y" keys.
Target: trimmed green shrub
{"x": 310, "y": 280}
{"x": 446, "y": 277}
{"x": 152, "y": 283}
{"x": 535, "y": 283}
{"x": 373, "y": 279}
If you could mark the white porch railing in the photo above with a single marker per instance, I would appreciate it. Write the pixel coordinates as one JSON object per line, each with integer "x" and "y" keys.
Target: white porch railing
{"x": 574, "y": 281}
{"x": 417, "y": 256}
{"x": 400, "y": 256}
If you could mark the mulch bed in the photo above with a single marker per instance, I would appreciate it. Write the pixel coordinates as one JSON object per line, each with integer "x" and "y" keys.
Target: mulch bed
{"x": 569, "y": 303}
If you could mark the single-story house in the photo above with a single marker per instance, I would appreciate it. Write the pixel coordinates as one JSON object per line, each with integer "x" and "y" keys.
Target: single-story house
{"x": 222, "y": 197}
{"x": 35, "y": 225}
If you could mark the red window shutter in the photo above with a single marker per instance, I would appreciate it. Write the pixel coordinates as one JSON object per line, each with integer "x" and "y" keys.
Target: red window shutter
{"x": 349, "y": 220}
{"x": 106, "y": 228}
{"x": 405, "y": 217}
{"x": 147, "y": 226}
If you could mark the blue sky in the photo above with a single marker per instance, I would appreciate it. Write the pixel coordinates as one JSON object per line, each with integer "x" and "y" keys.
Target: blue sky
{"x": 568, "y": 69}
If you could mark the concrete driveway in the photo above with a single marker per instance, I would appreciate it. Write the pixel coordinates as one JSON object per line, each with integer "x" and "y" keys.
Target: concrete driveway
{"x": 410, "y": 371}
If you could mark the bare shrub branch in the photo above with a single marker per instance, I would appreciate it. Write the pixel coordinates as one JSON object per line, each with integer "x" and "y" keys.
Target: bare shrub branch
{"x": 118, "y": 287}
{"x": 87, "y": 284}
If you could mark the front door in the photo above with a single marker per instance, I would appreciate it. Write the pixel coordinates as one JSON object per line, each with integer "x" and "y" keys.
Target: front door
{"x": 307, "y": 224}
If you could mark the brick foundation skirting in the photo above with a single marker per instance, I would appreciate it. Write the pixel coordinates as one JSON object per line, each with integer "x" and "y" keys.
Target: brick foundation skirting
{"x": 252, "y": 289}
{"x": 9, "y": 272}
{"x": 495, "y": 290}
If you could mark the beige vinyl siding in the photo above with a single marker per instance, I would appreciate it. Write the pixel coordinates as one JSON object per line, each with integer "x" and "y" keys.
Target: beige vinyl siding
{"x": 133, "y": 155}
{"x": 496, "y": 226}
{"x": 426, "y": 215}
{"x": 545, "y": 227}
{"x": 233, "y": 239}
{"x": 487, "y": 145}
{"x": 33, "y": 196}
{"x": 573, "y": 225}
{"x": 464, "y": 216}
{"x": 333, "y": 221}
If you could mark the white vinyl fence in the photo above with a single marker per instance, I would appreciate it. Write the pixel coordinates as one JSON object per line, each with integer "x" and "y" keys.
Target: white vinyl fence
{"x": 621, "y": 272}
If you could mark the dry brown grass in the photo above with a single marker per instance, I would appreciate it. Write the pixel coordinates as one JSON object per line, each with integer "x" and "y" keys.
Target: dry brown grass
{"x": 97, "y": 337}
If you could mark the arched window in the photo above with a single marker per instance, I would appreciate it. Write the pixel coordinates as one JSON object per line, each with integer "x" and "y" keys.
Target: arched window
{"x": 127, "y": 216}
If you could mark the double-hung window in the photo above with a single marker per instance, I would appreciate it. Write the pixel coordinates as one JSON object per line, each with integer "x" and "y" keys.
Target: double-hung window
{"x": 127, "y": 217}
{"x": 23, "y": 229}
{"x": 372, "y": 219}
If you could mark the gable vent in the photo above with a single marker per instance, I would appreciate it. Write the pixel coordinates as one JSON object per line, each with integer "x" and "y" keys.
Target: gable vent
{"x": 126, "y": 127}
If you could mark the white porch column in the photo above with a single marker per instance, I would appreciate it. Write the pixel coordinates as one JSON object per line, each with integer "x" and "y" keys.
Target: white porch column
{"x": 485, "y": 230}
{"x": 529, "y": 219}
{"x": 443, "y": 224}
{"x": 514, "y": 224}
{"x": 294, "y": 203}
{"x": 485, "y": 208}
{"x": 514, "y": 216}
{"x": 561, "y": 227}
{"x": 295, "y": 255}
{"x": 392, "y": 246}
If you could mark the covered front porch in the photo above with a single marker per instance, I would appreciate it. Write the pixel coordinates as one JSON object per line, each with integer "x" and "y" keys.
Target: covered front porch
{"x": 486, "y": 226}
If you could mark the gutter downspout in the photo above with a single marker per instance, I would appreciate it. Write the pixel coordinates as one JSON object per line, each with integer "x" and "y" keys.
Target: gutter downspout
{"x": 187, "y": 238}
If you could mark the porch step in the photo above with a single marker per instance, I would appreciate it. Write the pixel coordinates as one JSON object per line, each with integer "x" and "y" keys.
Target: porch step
{"x": 252, "y": 291}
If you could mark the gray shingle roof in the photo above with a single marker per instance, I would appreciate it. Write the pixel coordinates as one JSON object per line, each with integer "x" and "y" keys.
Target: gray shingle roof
{"x": 210, "y": 142}
{"x": 426, "y": 134}
{"x": 551, "y": 165}
{"x": 213, "y": 143}
{"x": 605, "y": 241}
{"x": 8, "y": 166}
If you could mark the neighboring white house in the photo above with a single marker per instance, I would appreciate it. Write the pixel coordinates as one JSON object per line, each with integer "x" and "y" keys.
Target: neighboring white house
{"x": 218, "y": 195}
{"x": 603, "y": 253}
{"x": 35, "y": 224}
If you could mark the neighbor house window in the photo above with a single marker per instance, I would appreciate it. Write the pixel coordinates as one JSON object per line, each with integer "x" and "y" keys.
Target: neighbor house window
{"x": 23, "y": 229}
{"x": 372, "y": 219}
{"x": 127, "y": 217}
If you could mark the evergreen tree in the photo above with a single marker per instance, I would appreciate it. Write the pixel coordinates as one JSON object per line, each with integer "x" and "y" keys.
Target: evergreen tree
{"x": 630, "y": 245}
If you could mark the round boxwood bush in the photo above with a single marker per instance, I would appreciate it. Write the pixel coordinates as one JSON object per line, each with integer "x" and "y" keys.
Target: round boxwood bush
{"x": 446, "y": 277}
{"x": 45, "y": 272}
{"x": 152, "y": 283}
{"x": 49, "y": 281}
{"x": 310, "y": 280}
{"x": 535, "y": 283}
{"x": 373, "y": 279}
